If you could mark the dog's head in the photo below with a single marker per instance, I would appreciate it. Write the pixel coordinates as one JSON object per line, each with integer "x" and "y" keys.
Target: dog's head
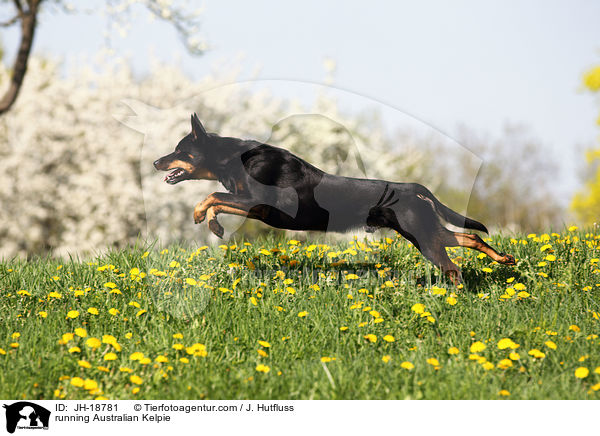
{"x": 190, "y": 158}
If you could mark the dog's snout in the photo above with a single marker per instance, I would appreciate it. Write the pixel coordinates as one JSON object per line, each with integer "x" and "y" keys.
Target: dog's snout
{"x": 156, "y": 163}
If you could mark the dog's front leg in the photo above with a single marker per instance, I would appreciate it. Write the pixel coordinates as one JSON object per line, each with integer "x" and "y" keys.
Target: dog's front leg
{"x": 245, "y": 208}
{"x": 202, "y": 207}
{"x": 200, "y": 210}
{"x": 213, "y": 224}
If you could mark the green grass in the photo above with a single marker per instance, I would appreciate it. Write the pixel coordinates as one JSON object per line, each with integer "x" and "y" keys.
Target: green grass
{"x": 245, "y": 301}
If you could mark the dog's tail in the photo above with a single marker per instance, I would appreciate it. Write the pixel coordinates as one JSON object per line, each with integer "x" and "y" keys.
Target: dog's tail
{"x": 450, "y": 216}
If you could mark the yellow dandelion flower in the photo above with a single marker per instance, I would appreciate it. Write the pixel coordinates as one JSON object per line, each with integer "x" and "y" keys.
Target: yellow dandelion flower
{"x": 453, "y": 350}
{"x": 113, "y": 311}
{"x": 488, "y": 366}
{"x": 407, "y": 365}
{"x": 477, "y": 347}
{"x": 81, "y": 332}
{"x": 302, "y": 314}
{"x": 262, "y": 368}
{"x": 505, "y": 343}
{"x": 43, "y": 314}
{"x": 84, "y": 364}
{"x": 110, "y": 356}
{"x": 418, "y": 308}
{"x": 550, "y": 345}
{"x": 136, "y": 379}
{"x": 72, "y": 314}
{"x": 386, "y": 358}
{"x": 582, "y": 372}
{"x": 93, "y": 343}
{"x": 514, "y": 356}
{"x": 136, "y": 356}
{"x": 371, "y": 338}
{"x": 505, "y": 363}
{"x": 451, "y": 301}
{"x": 264, "y": 344}
{"x": 433, "y": 361}
{"x": 93, "y": 311}
{"x": 77, "y": 382}
{"x": 90, "y": 385}
{"x": 536, "y": 353}
{"x": 389, "y": 338}
{"x": 326, "y": 359}
{"x": 519, "y": 286}
{"x": 504, "y": 393}
{"x": 74, "y": 350}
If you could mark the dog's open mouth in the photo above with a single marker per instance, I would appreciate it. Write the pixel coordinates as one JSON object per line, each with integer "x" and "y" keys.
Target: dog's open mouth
{"x": 177, "y": 175}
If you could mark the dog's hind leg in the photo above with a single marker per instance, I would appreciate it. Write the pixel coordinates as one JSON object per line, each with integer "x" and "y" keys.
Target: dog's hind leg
{"x": 476, "y": 243}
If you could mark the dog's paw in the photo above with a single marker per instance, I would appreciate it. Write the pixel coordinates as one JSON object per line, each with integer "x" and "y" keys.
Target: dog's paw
{"x": 507, "y": 259}
{"x": 216, "y": 228}
{"x": 199, "y": 216}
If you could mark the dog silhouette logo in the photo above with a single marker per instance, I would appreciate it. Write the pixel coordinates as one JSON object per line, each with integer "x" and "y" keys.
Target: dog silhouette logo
{"x": 26, "y": 415}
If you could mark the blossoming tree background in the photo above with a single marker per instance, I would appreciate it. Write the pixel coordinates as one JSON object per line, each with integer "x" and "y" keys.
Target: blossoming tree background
{"x": 77, "y": 144}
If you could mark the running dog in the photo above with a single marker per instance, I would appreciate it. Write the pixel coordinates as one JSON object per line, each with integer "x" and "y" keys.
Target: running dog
{"x": 274, "y": 186}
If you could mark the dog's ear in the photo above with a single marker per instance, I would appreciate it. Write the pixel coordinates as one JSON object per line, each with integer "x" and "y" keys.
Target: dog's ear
{"x": 198, "y": 130}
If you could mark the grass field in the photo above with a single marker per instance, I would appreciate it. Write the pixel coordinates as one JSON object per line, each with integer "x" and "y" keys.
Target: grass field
{"x": 284, "y": 319}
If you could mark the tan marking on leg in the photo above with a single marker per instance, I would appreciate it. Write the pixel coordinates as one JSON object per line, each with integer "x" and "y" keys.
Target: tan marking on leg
{"x": 202, "y": 207}
{"x": 476, "y": 243}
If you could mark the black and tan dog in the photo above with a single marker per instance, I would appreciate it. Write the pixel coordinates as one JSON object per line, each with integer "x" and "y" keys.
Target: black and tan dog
{"x": 274, "y": 186}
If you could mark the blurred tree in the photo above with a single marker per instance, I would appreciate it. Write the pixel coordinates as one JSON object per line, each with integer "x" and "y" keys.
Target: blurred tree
{"x": 586, "y": 203}
{"x": 24, "y": 13}
{"x": 513, "y": 188}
